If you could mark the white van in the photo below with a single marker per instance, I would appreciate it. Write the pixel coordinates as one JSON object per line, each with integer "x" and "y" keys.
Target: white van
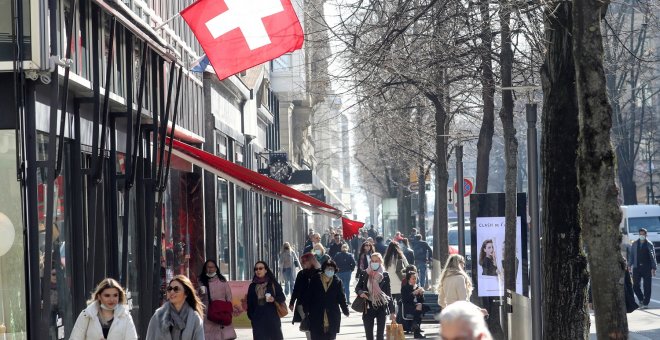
{"x": 636, "y": 217}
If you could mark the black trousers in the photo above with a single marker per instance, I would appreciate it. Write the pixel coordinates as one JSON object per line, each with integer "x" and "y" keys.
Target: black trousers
{"x": 379, "y": 315}
{"x": 640, "y": 274}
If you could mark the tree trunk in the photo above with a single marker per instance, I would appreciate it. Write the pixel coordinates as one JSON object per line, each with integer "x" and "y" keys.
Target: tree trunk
{"x": 485, "y": 142}
{"x": 510, "y": 149}
{"x": 421, "y": 193}
{"x": 625, "y": 173}
{"x": 565, "y": 277}
{"x": 440, "y": 237}
{"x": 599, "y": 210}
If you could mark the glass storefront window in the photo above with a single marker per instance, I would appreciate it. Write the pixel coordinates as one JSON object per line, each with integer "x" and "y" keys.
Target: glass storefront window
{"x": 13, "y": 308}
{"x": 241, "y": 268}
{"x": 223, "y": 226}
{"x": 61, "y": 316}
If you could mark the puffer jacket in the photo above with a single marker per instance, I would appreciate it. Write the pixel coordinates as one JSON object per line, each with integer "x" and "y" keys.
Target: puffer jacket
{"x": 88, "y": 326}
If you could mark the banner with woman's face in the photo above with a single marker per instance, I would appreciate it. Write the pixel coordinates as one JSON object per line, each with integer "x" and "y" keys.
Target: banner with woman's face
{"x": 489, "y": 255}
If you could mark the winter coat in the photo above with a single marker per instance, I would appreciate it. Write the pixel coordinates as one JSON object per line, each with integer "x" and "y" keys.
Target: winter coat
{"x": 422, "y": 251}
{"x": 361, "y": 287}
{"x": 300, "y": 287}
{"x": 322, "y": 259}
{"x": 397, "y": 270}
{"x": 335, "y": 248}
{"x": 632, "y": 254}
{"x": 219, "y": 290}
{"x": 159, "y": 325}
{"x": 409, "y": 254}
{"x": 451, "y": 289}
{"x": 410, "y": 300}
{"x": 88, "y": 325}
{"x": 380, "y": 248}
{"x": 319, "y": 301}
{"x": 345, "y": 262}
{"x": 265, "y": 316}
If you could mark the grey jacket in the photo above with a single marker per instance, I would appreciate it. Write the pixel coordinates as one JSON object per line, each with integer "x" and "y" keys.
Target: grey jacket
{"x": 632, "y": 254}
{"x": 159, "y": 326}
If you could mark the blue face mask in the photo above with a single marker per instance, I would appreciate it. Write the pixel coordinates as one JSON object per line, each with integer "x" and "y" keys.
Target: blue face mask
{"x": 317, "y": 252}
{"x": 375, "y": 266}
{"x": 642, "y": 237}
{"x": 329, "y": 273}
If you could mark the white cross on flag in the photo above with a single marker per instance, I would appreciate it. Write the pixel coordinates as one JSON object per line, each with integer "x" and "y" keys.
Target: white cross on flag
{"x": 239, "y": 34}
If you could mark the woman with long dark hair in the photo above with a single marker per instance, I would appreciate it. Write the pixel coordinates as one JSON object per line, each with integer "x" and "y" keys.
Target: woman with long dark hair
{"x": 264, "y": 292}
{"x": 412, "y": 303}
{"x": 366, "y": 249}
{"x": 180, "y": 318}
{"x": 488, "y": 258}
{"x": 214, "y": 287}
{"x": 395, "y": 264}
{"x": 311, "y": 268}
{"x": 106, "y": 315}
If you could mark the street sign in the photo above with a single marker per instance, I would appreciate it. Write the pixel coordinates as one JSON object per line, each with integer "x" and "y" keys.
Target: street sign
{"x": 468, "y": 186}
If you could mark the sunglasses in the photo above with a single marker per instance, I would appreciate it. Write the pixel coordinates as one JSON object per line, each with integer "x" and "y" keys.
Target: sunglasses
{"x": 259, "y": 268}
{"x": 176, "y": 289}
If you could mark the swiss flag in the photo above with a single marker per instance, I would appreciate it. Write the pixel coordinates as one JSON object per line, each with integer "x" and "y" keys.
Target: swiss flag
{"x": 239, "y": 34}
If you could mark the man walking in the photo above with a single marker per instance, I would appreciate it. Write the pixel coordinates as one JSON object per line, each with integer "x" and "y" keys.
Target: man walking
{"x": 423, "y": 253}
{"x": 643, "y": 264}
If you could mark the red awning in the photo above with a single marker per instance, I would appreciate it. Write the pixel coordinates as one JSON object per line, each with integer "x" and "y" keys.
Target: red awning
{"x": 251, "y": 180}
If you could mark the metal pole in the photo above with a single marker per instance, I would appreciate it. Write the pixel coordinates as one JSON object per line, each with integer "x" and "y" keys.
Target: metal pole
{"x": 535, "y": 248}
{"x": 459, "y": 199}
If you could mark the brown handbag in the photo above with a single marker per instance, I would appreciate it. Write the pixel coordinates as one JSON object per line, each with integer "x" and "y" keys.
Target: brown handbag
{"x": 282, "y": 311}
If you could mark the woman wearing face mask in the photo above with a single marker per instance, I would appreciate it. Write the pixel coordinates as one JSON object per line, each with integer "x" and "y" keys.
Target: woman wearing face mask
{"x": 263, "y": 293}
{"x": 106, "y": 315}
{"x": 319, "y": 253}
{"x": 374, "y": 285}
{"x": 311, "y": 268}
{"x": 180, "y": 318}
{"x": 288, "y": 264}
{"x": 325, "y": 297}
{"x": 214, "y": 285}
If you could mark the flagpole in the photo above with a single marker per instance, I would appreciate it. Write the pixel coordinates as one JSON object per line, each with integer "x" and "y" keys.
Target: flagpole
{"x": 162, "y": 24}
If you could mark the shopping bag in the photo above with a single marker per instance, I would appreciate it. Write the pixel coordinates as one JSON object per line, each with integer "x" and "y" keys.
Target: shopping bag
{"x": 394, "y": 331}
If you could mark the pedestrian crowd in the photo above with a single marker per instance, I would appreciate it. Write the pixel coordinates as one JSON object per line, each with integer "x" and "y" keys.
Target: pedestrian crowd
{"x": 390, "y": 282}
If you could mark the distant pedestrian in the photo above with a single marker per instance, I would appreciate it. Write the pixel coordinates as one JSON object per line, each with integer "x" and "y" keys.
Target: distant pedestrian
{"x": 335, "y": 245}
{"x": 364, "y": 259}
{"x": 106, "y": 315}
{"x": 263, "y": 293}
{"x": 463, "y": 320}
{"x": 214, "y": 287}
{"x": 311, "y": 268}
{"x": 643, "y": 264}
{"x": 325, "y": 298}
{"x": 423, "y": 254}
{"x": 374, "y": 285}
{"x": 314, "y": 239}
{"x": 319, "y": 253}
{"x": 356, "y": 242}
{"x": 407, "y": 251}
{"x": 395, "y": 265}
{"x": 180, "y": 318}
{"x": 413, "y": 233}
{"x": 346, "y": 264}
{"x": 288, "y": 264}
{"x": 454, "y": 284}
{"x": 412, "y": 297}
{"x": 380, "y": 246}
{"x": 372, "y": 232}
{"x": 397, "y": 237}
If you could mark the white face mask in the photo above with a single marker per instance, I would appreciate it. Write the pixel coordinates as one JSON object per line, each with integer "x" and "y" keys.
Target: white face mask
{"x": 211, "y": 275}
{"x": 104, "y": 307}
{"x": 375, "y": 266}
{"x": 642, "y": 237}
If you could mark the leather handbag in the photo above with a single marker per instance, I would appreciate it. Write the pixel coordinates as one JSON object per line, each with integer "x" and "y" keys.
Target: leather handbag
{"x": 219, "y": 311}
{"x": 359, "y": 304}
{"x": 282, "y": 311}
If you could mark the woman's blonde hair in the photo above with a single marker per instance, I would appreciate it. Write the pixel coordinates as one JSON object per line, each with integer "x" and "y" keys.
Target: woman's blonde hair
{"x": 191, "y": 297}
{"x": 320, "y": 247}
{"x": 452, "y": 267}
{"x": 107, "y": 283}
{"x": 344, "y": 247}
{"x": 379, "y": 256}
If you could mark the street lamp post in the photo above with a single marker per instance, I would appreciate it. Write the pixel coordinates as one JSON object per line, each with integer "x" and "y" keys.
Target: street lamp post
{"x": 459, "y": 199}
{"x": 533, "y": 191}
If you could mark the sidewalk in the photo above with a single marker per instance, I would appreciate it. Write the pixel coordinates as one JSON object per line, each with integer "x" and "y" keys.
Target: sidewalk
{"x": 643, "y": 325}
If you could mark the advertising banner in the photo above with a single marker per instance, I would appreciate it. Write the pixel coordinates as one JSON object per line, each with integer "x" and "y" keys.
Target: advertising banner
{"x": 239, "y": 291}
{"x": 490, "y": 258}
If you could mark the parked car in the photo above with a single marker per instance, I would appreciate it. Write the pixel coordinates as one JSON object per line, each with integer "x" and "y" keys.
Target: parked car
{"x": 452, "y": 235}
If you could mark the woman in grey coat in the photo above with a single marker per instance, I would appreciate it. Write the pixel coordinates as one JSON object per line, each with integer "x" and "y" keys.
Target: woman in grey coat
{"x": 180, "y": 318}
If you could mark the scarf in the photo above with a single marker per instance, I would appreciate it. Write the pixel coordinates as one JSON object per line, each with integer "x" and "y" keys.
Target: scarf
{"x": 180, "y": 318}
{"x": 257, "y": 279}
{"x": 326, "y": 281}
{"x": 376, "y": 295}
{"x": 260, "y": 289}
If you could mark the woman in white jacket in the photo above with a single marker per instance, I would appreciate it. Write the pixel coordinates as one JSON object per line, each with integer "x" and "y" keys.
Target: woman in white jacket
{"x": 106, "y": 316}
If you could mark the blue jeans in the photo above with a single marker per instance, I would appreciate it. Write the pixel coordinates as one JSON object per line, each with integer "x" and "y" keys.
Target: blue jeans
{"x": 345, "y": 278}
{"x": 421, "y": 271}
{"x": 287, "y": 273}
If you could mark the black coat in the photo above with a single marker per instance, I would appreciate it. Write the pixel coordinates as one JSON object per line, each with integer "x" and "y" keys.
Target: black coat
{"x": 409, "y": 254}
{"x": 409, "y": 299}
{"x": 345, "y": 262}
{"x": 422, "y": 250}
{"x": 266, "y": 315}
{"x": 319, "y": 301}
{"x": 361, "y": 287}
{"x": 335, "y": 248}
{"x": 299, "y": 293}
